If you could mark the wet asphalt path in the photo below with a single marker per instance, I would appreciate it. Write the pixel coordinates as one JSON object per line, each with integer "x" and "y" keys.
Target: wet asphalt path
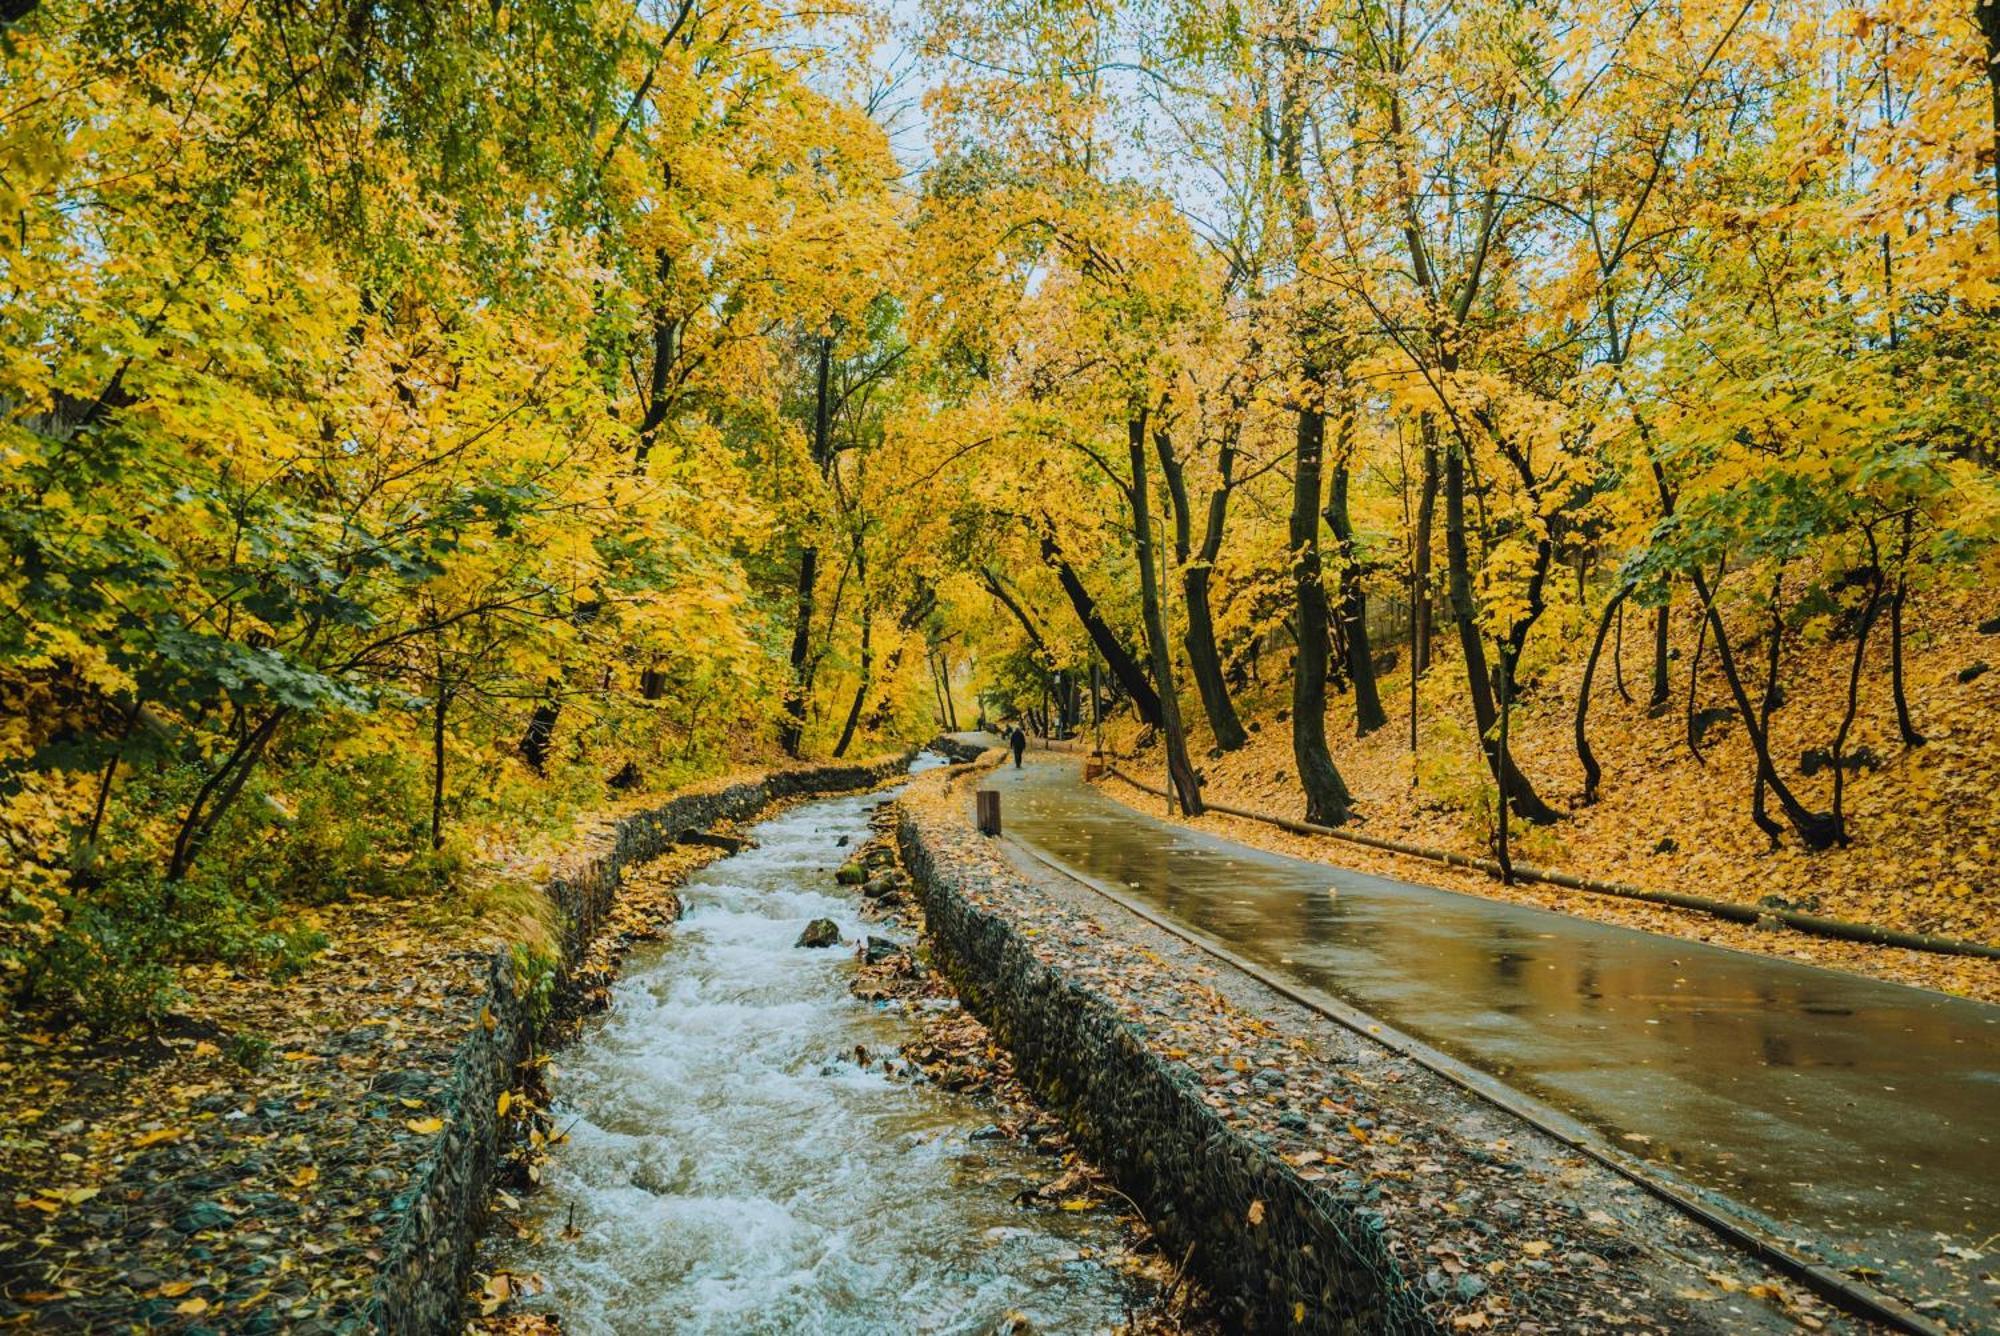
{"x": 1859, "y": 1120}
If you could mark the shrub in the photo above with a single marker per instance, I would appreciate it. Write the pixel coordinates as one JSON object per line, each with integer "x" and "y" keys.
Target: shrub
{"x": 112, "y": 961}
{"x": 105, "y": 968}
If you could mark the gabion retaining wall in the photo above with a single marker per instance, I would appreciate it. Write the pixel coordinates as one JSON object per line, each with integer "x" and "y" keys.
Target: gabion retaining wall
{"x": 1301, "y": 1261}
{"x": 421, "y": 1285}
{"x": 956, "y": 749}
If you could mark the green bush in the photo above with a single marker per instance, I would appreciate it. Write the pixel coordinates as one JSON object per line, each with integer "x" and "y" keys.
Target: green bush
{"x": 356, "y": 827}
{"x": 112, "y": 962}
{"x": 105, "y": 969}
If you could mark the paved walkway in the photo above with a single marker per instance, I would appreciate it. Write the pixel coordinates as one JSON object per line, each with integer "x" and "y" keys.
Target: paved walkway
{"x": 1857, "y": 1118}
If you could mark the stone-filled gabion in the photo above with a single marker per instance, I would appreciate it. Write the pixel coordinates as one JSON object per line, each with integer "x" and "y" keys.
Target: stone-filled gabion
{"x": 956, "y": 749}
{"x": 420, "y": 1288}
{"x": 1310, "y": 1263}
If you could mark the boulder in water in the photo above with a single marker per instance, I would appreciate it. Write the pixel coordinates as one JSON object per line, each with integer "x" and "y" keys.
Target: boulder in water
{"x": 820, "y": 932}
{"x": 851, "y": 874}
{"x": 880, "y": 949}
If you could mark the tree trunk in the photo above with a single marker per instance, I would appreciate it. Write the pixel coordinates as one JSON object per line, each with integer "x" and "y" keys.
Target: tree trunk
{"x": 1694, "y": 680}
{"x": 1327, "y": 797}
{"x": 1458, "y": 563}
{"x": 438, "y": 712}
{"x": 1904, "y": 725}
{"x": 1420, "y": 558}
{"x": 1368, "y": 712}
{"x": 218, "y": 792}
{"x": 1618, "y": 656}
{"x": 1839, "y": 748}
{"x": 791, "y": 734}
{"x": 1987, "y": 13}
{"x": 1503, "y": 822}
{"x": 1817, "y": 830}
{"x": 538, "y": 738}
{"x": 1123, "y": 666}
{"x": 944, "y": 677}
{"x": 1662, "y": 689}
{"x": 1180, "y": 769}
{"x": 1757, "y": 813}
{"x": 861, "y": 687}
{"x": 1013, "y": 605}
{"x": 1591, "y": 771}
{"x": 1204, "y": 661}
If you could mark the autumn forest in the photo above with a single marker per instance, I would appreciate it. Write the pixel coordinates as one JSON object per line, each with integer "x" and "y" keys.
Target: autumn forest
{"x": 426, "y": 420}
{"x": 1551, "y": 434}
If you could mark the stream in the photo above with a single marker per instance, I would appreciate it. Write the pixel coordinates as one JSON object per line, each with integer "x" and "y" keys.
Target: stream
{"x": 732, "y": 1168}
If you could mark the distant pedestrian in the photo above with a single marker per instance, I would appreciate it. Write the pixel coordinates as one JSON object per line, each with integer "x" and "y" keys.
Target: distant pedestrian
{"x": 1019, "y": 742}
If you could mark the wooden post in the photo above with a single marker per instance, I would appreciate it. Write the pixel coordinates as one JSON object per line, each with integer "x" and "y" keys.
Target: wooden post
{"x": 989, "y": 811}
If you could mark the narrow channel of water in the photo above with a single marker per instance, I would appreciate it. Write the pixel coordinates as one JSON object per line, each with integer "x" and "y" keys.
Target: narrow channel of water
{"x": 732, "y": 1168}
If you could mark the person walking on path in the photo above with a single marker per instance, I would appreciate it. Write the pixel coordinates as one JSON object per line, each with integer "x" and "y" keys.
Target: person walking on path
{"x": 1019, "y": 742}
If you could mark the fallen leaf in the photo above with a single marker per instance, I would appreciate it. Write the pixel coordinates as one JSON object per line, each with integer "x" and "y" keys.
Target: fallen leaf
{"x": 1256, "y": 1215}
{"x": 424, "y": 1126}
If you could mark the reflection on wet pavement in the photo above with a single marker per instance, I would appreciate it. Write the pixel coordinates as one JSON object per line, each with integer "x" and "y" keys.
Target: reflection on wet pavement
{"x": 1863, "y": 1114}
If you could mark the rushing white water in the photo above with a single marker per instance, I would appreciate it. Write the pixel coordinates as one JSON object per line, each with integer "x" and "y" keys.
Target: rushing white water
{"x": 732, "y": 1168}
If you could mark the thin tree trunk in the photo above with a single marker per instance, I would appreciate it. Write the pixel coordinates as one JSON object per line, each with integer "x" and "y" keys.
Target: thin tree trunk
{"x": 1008, "y": 601}
{"x": 1662, "y": 688}
{"x": 861, "y": 687}
{"x": 944, "y": 675}
{"x": 1420, "y": 557}
{"x": 1987, "y": 13}
{"x": 1591, "y": 771}
{"x": 1618, "y": 656}
{"x": 1904, "y": 724}
{"x": 1817, "y": 830}
{"x": 1195, "y": 571}
{"x": 791, "y": 734}
{"x": 1203, "y": 654}
{"x": 1758, "y": 814}
{"x": 1504, "y": 822}
{"x": 1368, "y": 712}
{"x": 1204, "y": 661}
{"x": 1838, "y": 750}
{"x": 1520, "y": 793}
{"x": 1180, "y": 769}
{"x": 1694, "y": 680}
{"x": 212, "y": 801}
{"x": 1327, "y": 797}
{"x": 438, "y": 712}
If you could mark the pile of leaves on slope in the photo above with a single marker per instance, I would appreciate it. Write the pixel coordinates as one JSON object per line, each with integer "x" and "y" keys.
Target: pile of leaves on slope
{"x": 236, "y": 1170}
{"x": 1499, "y": 1238}
{"x": 1925, "y": 820}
